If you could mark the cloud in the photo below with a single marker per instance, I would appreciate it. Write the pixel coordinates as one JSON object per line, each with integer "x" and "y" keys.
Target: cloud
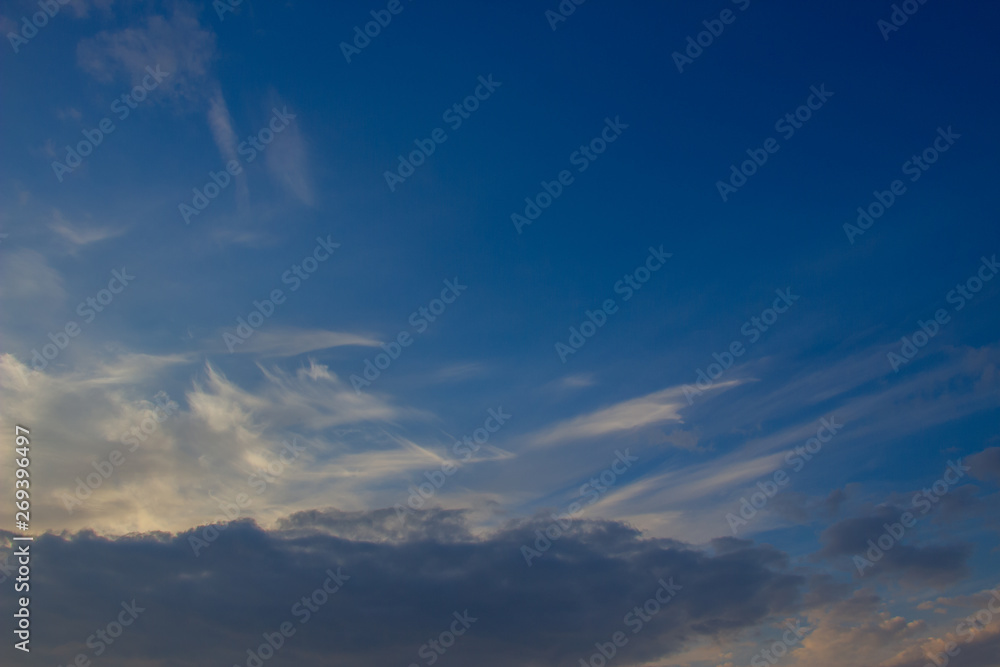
{"x": 35, "y": 291}
{"x": 986, "y": 464}
{"x": 78, "y": 235}
{"x": 287, "y": 161}
{"x": 221, "y": 124}
{"x": 25, "y": 276}
{"x": 659, "y": 407}
{"x": 177, "y": 44}
{"x": 458, "y": 372}
{"x": 933, "y": 565}
{"x": 290, "y": 342}
{"x": 218, "y": 436}
{"x": 399, "y": 594}
{"x": 692, "y": 496}
{"x": 857, "y": 629}
{"x": 971, "y": 643}
{"x": 578, "y": 381}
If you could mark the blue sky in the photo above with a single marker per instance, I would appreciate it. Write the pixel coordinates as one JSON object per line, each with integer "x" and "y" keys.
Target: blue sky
{"x": 306, "y": 208}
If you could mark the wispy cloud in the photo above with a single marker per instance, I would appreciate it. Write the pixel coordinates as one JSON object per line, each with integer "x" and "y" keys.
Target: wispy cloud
{"x": 290, "y": 342}
{"x": 659, "y": 407}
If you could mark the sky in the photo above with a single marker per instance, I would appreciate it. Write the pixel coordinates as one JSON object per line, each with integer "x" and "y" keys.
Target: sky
{"x": 532, "y": 334}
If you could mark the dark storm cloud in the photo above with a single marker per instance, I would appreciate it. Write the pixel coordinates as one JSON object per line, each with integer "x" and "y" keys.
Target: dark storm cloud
{"x": 209, "y": 610}
{"x": 438, "y": 525}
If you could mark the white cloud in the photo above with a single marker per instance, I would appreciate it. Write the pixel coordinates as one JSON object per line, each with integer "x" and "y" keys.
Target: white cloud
{"x": 178, "y": 45}
{"x": 288, "y": 162}
{"x": 659, "y": 407}
{"x": 289, "y": 342}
